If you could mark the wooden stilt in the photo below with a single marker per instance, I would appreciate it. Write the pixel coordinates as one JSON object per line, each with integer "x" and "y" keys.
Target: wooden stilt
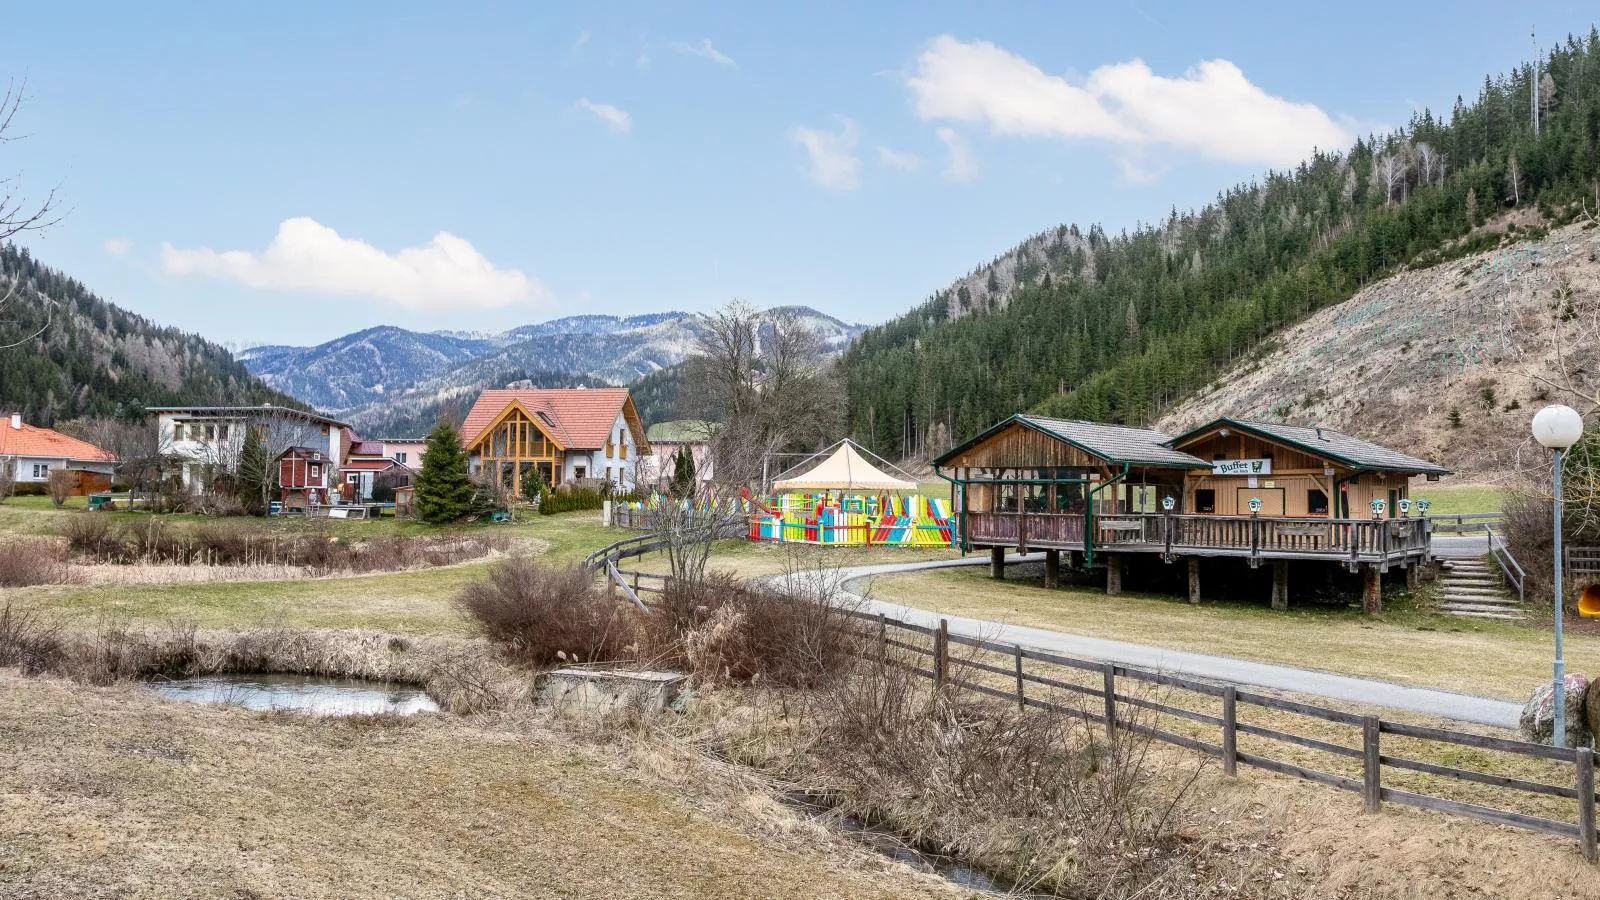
{"x": 1194, "y": 579}
{"x": 1280, "y": 584}
{"x": 1052, "y": 568}
{"x": 1413, "y": 575}
{"x": 997, "y": 562}
{"x": 1113, "y": 574}
{"x": 1372, "y": 592}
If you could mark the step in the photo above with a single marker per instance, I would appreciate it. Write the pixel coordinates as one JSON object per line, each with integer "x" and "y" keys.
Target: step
{"x": 1477, "y": 606}
{"x": 1495, "y": 590}
{"x": 1470, "y": 576}
{"x": 1507, "y": 617}
{"x": 1487, "y": 601}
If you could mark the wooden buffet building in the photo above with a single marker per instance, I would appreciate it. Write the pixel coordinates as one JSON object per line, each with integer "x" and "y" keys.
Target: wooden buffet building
{"x": 1229, "y": 488}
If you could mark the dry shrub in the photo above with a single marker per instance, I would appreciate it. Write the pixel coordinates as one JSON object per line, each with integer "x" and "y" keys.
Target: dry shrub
{"x": 28, "y": 641}
{"x": 91, "y": 535}
{"x": 1037, "y": 797}
{"x": 542, "y": 615}
{"x": 724, "y": 629}
{"x": 30, "y": 561}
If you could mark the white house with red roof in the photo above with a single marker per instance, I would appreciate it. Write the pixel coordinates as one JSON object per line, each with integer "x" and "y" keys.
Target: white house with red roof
{"x": 562, "y": 434}
{"x": 33, "y": 453}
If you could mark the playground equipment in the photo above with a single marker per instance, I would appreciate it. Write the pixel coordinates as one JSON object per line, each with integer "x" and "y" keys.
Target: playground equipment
{"x": 1589, "y": 602}
{"x": 853, "y": 520}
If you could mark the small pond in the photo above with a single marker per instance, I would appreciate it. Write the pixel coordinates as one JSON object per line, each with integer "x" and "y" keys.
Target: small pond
{"x": 305, "y": 693}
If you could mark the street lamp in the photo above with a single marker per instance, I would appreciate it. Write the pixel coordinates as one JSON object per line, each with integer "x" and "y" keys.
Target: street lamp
{"x": 1558, "y": 427}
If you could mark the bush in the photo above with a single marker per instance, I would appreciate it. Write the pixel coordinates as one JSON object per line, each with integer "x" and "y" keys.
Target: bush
{"x": 30, "y": 561}
{"x": 28, "y": 642}
{"x": 570, "y": 500}
{"x": 91, "y": 536}
{"x": 543, "y": 615}
{"x": 724, "y": 629}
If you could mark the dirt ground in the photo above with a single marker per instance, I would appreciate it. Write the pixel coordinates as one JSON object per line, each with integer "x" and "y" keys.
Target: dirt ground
{"x": 113, "y": 792}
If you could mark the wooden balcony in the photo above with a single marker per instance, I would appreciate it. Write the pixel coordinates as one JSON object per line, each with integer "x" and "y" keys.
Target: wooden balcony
{"x": 1379, "y": 541}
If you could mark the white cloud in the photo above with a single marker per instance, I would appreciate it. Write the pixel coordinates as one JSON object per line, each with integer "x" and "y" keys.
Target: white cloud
{"x": 118, "y": 246}
{"x": 617, "y": 119}
{"x": 834, "y": 164}
{"x": 307, "y": 256}
{"x": 579, "y": 44}
{"x": 960, "y": 166}
{"x": 898, "y": 159}
{"x": 703, "y": 50}
{"x": 1212, "y": 109}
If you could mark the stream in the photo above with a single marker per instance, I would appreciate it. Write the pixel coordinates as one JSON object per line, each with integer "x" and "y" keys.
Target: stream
{"x": 313, "y": 694}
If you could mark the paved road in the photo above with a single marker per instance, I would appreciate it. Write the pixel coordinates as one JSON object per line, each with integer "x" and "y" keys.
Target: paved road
{"x": 1460, "y": 546}
{"x": 1445, "y": 704}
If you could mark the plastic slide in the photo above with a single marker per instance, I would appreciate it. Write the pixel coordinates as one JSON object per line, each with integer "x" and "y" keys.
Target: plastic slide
{"x": 1589, "y": 603}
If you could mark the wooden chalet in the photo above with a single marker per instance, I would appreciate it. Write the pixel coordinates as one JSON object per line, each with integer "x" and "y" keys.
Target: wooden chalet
{"x": 305, "y": 476}
{"x": 562, "y": 434}
{"x": 1226, "y": 489}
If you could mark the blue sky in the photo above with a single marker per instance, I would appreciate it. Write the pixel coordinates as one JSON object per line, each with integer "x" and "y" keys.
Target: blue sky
{"x": 279, "y": 172}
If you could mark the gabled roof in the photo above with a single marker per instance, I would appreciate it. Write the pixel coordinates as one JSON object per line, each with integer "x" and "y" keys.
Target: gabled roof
{"x": 577, "y": 418}
{"x": 366, "y": 448}
{"x": 30, "y": 440}
{"x": 1119, "y": 444}
{"x": 1324, "y": 442}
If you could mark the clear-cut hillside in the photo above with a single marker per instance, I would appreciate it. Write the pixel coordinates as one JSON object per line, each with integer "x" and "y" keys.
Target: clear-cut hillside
{"x": 1443, "y": 363}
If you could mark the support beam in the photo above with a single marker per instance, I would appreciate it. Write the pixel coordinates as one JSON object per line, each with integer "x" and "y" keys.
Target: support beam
{"x": 1280, "y": 584}
{"x": 997, "y": 562}
{"x": 1413, "y": 575}
{"x": 1113, "y": 574}
{"x": 1372, "y": 589}
{"x": 1194, "y": 579}
{"x": 1052, "y": 568}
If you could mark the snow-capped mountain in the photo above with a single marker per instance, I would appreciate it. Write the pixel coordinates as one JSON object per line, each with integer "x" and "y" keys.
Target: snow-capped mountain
{"x": 390, "y": 366}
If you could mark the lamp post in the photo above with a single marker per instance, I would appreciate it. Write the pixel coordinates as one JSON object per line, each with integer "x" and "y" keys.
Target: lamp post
{"x": 1558, "y": 428}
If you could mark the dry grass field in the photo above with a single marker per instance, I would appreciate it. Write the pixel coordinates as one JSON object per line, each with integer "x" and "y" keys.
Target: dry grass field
{"x": 113, "y": 792}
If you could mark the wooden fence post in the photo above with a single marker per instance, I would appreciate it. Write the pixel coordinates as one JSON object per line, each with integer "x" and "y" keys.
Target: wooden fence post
{"x": 1109, "y": 672}
{"x": 1022, "y": 699}
{"x": 883, "y": 638}
{"x": 1230, "y": 733}
{"x": 1372, "y": 783}
{"x": 941, "y": 655}
{"x": 1586, "y": 830}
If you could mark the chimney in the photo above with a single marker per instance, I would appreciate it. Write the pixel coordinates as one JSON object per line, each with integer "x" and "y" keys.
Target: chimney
{"x": 16, "y": 421}
{"x": 1319, "y": 433}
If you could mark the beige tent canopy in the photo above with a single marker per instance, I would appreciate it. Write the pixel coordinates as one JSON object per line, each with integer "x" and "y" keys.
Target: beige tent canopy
{"x": 844, "y": 469}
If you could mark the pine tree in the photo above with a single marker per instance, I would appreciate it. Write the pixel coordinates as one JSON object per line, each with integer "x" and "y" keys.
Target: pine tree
{"x": 254, "y": 481}
{"x": 683, "y": 476}
{"x": 444, "y": 491}
{"x": 532, "y": 485}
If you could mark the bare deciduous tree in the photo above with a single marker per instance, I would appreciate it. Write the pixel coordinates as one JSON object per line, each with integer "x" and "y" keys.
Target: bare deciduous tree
{"x": 1389, "y": 171}
{"x": 17, "y": 212}
{"x": 1430, "y": 163}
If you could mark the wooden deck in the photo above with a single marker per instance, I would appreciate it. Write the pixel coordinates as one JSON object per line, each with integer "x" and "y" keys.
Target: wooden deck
{"x": 1354, "y": 541}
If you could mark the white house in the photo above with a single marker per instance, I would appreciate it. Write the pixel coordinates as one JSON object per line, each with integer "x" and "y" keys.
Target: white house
{"x": 33, "y": 453}
{"x": 211, "y": 438}
{"x": 667, "y": 439}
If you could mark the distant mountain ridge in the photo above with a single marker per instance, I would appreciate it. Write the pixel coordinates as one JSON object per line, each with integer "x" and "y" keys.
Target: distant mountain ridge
{"x": 390, "y": 375}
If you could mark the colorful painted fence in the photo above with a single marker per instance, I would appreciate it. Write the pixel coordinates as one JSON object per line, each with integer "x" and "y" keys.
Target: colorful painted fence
{"x": 889, "y": 521}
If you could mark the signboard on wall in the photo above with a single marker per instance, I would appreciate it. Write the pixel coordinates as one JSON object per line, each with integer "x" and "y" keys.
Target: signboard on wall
{"x": 1241, "y": 467}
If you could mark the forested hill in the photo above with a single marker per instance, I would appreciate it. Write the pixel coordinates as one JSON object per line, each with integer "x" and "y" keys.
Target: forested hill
{"x": 1119, "y": 328}
{"x": 92, "y": 358}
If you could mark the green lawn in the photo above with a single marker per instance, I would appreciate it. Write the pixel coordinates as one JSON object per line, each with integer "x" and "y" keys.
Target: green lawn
{"x": 1469, "y": 498}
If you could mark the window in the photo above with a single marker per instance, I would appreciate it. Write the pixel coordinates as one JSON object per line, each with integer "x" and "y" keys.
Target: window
{"x": 1033, "y": 497}
{"x": 1008, "y": 498}
{"x": 222, "y": 432}
{"x": 177, "y": 431}
{"x": 316, "y": 472}
{"x": 580, "y": 471}
{"x": 400, "y": 457}
{"x": 1069, "y": 498}
{"x": 1205, "y": 500}
{"x": 1316, "y": 502}
{"x": 41, "y": 470}
{"x": 608, "y": 473}
{"x": 211, "y": 432}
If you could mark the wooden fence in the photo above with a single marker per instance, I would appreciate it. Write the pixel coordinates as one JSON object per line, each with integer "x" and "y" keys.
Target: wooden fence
{"x": 1026, "y": 672}
{"x": 1464, "y": 523}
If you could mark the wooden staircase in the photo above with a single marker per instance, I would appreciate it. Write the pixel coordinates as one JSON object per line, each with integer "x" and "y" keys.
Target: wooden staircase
{"x": 1471, "y": 590}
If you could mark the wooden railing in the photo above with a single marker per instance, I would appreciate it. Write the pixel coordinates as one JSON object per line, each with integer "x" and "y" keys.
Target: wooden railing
{"x": 1509, "y": 567}
{"x": 1465, "y": 523}
{"x": 1027, "y": 672}
{"x": 1582, "y": 560}
{"x": 1109, "y": 704}
{"x": 1255, "y": 536}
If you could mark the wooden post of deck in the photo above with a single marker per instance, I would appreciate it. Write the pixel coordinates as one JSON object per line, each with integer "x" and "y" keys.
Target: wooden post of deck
{"x": 1372, "y": 589}
{"x": 1113, "y": 574}
{"x": 997, "y": 562}
{"x": 1413, "y": 574}
{"x": 1052, "y": 568}
{"x": 1194, "y": 579}
{"x": 1280, "y": 584}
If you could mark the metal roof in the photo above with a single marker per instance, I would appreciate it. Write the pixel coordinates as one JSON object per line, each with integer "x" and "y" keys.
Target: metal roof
{"x": 1113, "y": 443}
{"x": 1328, "y": 443}
{"x": 263, "y": 409}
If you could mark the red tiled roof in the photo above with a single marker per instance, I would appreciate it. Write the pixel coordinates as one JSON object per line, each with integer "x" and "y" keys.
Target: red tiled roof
{"x": 578, "y": 418}
{"x": 366, "y": 448}
{"x": 33, "y": 441}
{"x": 372, "y": 465}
